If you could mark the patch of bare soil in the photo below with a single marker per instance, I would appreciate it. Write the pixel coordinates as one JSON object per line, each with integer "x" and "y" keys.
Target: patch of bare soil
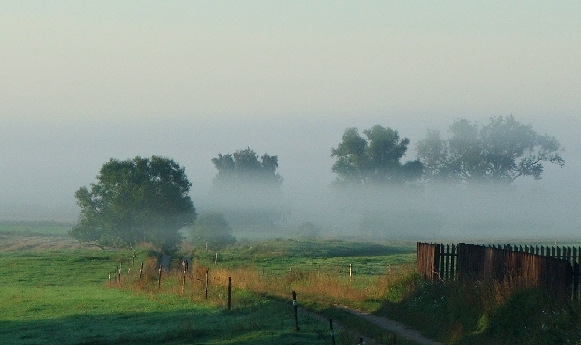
{"x": 9, "y": 243}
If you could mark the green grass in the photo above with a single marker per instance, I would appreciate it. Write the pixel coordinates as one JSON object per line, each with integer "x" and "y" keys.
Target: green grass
{"x": 319, "y": 271}
{"x": 63, "y": 297}
{"x": 325, "y": 256}
{"x": 458, "y": 314}
{"x": 486, "y": 313}
{"x": 41, "y": 228}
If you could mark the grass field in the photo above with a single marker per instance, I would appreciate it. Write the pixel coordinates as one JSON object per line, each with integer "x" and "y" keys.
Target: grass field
{"x": 31, "y": 228}
{"x": 55, "y": 291}
{"x": 63, "y": 297}
{"x": 331, "y": 256}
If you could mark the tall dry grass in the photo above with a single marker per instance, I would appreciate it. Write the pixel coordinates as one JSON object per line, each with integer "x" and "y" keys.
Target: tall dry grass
{"x": 313, "y": 286}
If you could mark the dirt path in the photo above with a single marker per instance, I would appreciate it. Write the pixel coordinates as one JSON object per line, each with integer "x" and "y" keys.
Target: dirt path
{"x": 384, "y": 323}
{"x": 393, "y": 326}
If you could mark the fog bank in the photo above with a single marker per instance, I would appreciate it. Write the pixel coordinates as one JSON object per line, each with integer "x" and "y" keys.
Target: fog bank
{"x": 43, "y": 164}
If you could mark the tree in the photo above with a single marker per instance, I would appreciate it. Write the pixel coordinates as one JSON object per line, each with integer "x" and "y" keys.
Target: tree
{"x": 501, "y": 151}
{"x": 212, "y": 229}
{"x": 244, "y": 167}
{"x": 373, "y": 159}
{"x": 136, "y": 200}
{"x": 247, "y": 189}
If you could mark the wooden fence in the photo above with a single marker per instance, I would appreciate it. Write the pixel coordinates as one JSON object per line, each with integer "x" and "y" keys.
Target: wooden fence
{"x": 556, "y": 268}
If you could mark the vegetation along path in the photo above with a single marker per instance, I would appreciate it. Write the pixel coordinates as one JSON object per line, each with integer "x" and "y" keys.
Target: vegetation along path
{"x": 392, "y": 326}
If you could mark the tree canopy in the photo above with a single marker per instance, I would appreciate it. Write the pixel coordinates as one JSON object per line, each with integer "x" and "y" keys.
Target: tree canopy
{"x": 243, "y": 166}
{"x": 375, "y": 158}
{"x": 247, "y": 189}
{"x": 501, "y": 151}
{"x": 136, "y": 200}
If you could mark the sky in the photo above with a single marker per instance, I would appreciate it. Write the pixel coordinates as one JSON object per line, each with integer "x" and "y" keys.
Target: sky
{"x": 82, "y": 82}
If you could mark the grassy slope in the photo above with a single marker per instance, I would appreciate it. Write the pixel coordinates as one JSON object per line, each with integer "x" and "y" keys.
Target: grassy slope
{"x": 62, "y": 297}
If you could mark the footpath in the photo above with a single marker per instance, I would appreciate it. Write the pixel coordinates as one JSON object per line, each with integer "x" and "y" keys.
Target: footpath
{"x": 386, "y": 324}
{"x": 393, "y": 326}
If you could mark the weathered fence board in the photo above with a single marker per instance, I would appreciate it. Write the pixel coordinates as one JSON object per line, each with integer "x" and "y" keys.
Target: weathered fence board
{"x": 557, "y": 268}
{"x": 427, "y": 255}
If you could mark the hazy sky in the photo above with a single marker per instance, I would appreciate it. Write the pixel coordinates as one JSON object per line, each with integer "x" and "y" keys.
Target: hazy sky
{"x": 84, "y": 81}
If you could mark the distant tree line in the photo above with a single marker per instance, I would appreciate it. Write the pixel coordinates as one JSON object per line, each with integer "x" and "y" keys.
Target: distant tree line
{"x": 501, "y": 151}
{"x": 147, "y": 199}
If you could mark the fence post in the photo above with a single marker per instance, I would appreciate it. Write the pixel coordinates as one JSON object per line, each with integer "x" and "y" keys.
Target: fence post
{"x": 332, "y": 332}
{"x": 141, "y": 271}
{"x": 207, "y": 282}
{"x": 295, "y": 308}
{"x": 447, "y": 263}
{"x": 441, "y": 263}
{"x": 159, "y": 278}
{"x": 462, "y": 265}
{"x": 436, "y": 262}
{"x": 229, "y": 293}
{"x": 453, "y": 262}
{"x": 184, "y": 280}
{"x": 575, "y": 263}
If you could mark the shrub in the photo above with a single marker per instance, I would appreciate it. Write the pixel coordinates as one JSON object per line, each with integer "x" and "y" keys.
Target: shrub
{"x": 533, "y": 316}
{"x": 213, "y": 230}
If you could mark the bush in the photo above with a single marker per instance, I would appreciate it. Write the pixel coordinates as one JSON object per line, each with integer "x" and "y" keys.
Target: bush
{"x": 308, "y": 230}
{"x": 487, "y": 313}
{"x": 533, "y": 316}
{"x": 213, "y": 230}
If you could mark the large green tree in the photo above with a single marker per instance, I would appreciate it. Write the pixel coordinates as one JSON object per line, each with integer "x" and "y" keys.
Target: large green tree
{"x": 501, "y": 151}
{"x": 136, "y": 200}
{"x": 375, "y": 158}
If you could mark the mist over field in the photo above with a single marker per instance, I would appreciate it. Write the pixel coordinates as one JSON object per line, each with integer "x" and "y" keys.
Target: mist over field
{"x": 49, "y": 162}
{"x": 82, "y": 83}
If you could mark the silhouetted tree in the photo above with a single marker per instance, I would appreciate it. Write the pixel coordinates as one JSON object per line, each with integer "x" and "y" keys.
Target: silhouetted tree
{"x": 247, "y": 189}
{"x": 136, "y": 200}
{"x": 243, "y": 166}
{"x": 501, "y": 151}
{"x": 373, "y": 159}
